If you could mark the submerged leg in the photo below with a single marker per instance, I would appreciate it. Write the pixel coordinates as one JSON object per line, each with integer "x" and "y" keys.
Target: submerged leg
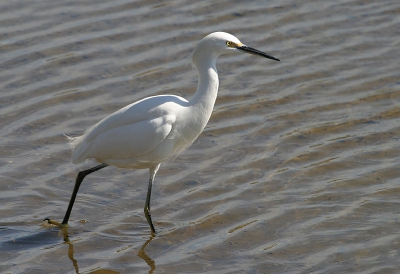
{"x": 78, "y": 181}
{"x": 147, "y": 211}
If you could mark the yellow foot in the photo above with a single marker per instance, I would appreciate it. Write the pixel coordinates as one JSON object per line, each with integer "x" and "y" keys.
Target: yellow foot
{"x": 56, "y": 223}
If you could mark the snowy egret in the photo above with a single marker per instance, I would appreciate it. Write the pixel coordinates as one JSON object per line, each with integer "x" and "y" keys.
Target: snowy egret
{"x": 150, "y": 131}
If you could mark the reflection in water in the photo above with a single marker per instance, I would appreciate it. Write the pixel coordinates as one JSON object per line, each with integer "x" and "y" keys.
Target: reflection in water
{"x": 142, "y": 254}
{"x": 64, "y": 232}
{"x": 71, "y": 256}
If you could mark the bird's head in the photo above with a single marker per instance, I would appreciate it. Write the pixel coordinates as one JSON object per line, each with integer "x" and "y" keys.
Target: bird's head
{"x": 218, "y": 43}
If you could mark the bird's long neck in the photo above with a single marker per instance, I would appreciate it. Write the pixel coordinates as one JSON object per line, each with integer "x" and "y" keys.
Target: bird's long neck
{"x": 204, "y": 99}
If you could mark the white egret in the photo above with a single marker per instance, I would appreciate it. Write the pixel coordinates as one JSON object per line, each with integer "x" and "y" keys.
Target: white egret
{"x": 150, "y": 131}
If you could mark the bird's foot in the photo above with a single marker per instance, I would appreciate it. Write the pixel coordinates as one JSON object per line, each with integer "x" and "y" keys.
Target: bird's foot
{"x": 52, "y": 222}
{"x": 63, "y": 228}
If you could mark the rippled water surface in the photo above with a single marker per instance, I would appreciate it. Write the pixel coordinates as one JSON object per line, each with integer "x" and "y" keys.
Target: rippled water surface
{"x": 296, "y": 172}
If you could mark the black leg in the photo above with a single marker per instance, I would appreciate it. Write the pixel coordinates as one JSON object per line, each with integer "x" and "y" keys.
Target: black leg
{"x": 79, "y": 179}
{"x": 147, "y": 211}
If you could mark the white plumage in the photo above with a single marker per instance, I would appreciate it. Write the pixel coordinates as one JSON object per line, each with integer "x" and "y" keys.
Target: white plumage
{"x": 146, "y": 133}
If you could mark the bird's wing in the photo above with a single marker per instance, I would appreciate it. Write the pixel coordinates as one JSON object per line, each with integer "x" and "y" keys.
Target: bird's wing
{"x": 143, "y": 110}
{"x": 133, "y": 121}
{"x": 127, "y": 141}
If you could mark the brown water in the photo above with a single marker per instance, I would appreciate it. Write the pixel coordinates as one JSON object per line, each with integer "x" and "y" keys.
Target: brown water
{"x": 296, "y": 172}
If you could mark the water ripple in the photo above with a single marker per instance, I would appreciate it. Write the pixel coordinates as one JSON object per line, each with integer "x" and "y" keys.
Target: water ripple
{"x": 296, "y": 171}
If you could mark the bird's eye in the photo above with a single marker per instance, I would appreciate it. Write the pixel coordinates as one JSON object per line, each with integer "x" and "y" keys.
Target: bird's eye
{"x": 229, "y": 44}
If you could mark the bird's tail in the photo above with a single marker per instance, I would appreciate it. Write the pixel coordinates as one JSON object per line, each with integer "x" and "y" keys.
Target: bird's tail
{"x": 73, "y": 141}
{"x": 77, "y": 147}
{"x": 70, "y": 141}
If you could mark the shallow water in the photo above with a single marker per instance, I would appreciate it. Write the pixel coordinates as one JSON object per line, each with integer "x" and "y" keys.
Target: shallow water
{"x": 296, "y": 172}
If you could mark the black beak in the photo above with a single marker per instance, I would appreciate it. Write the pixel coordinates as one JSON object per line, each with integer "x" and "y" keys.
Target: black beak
{"x": 256, "y": 52}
